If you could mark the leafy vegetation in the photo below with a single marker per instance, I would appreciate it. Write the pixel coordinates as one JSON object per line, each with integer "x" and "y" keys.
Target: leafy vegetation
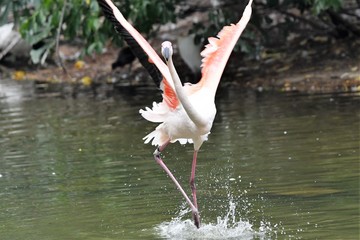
{"x": 48, "y": 21}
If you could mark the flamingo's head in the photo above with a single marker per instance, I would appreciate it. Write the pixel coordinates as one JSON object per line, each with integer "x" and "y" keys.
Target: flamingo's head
{"x": 166, "y": 50}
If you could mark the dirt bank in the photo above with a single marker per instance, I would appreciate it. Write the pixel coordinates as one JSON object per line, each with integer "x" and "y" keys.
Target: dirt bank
{"x": 316, "y": 65}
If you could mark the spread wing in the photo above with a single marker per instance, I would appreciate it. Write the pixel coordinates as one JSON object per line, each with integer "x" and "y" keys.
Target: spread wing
{"x": 218, "y": 50}
{"x": 143, "y": 51}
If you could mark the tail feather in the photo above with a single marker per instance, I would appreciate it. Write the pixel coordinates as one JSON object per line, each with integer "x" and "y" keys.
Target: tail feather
{"x": 157, "y": 136}
{"x": 158, "y": 113}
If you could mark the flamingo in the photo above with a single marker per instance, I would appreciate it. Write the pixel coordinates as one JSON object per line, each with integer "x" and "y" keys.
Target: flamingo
{"x": 187, "y": 112}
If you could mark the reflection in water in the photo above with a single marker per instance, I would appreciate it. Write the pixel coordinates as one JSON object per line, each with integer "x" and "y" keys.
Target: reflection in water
{"x": 275, "y": 166}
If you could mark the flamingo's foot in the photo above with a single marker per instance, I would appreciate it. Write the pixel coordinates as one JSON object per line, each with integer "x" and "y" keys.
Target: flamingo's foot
{"x": 196, "y": 217}
{"x": 157, "y": 153}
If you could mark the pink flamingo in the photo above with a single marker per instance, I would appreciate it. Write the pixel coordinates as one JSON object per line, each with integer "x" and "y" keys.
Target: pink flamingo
{"x": 187, "y": 112}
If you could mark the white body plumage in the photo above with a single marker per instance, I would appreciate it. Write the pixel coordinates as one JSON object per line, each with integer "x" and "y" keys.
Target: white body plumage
{"x": 176, "y": 124}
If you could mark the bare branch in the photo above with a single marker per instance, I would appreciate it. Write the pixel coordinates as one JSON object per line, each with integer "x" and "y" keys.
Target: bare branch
{"x": 59, "y": 60}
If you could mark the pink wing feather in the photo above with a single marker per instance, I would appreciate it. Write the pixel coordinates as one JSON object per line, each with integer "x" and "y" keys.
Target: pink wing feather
{"x": 169, "y": 94}
{"x": 217, "y": 52}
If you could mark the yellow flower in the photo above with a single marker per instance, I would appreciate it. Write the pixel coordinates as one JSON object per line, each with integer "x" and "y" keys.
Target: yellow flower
{"x": 79, "y": 64}
{"x": 19, "y": 75}
{"x": 86, "y": 81}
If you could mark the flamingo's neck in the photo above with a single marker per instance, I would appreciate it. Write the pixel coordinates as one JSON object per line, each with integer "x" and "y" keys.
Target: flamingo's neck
{"x": 184, "y": 99}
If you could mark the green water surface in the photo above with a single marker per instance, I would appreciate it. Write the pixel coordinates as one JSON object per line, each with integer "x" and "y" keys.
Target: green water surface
{"x": 78, "y": 168}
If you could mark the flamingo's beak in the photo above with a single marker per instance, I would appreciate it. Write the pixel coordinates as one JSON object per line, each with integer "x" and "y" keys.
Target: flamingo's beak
{"x": 166, "y": 50}
{"x": 166, "y": 53}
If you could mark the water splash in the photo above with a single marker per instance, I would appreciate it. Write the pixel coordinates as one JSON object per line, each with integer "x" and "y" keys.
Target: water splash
{"x": 226, "y": 227}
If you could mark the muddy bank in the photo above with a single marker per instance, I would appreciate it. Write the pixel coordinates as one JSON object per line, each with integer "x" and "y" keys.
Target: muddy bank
{"x": 315, "y": 65}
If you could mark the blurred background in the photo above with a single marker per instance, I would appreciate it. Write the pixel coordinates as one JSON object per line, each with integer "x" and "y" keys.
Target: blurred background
{"x": 282, "y": 160}
{"x": 306, "y": 46}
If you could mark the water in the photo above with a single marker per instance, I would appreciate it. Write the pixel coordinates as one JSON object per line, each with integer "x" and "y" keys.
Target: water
{"x": 275, "y": 167}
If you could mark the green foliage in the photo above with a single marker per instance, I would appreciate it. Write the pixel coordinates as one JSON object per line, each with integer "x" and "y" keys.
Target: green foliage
{"x": 40, "y": 20}
{"x": 316, "y": 6}
{"x": 321, "y": 5}
{"x": 146, "y": 13}
{"x": 263, "y": 26}
{"x": 82, "y": 21}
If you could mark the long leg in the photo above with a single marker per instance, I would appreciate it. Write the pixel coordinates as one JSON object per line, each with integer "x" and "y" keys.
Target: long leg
{"x": 192, "y": 179}
{"x": 193, "y": 188}
{"x": 158, "y": 159}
